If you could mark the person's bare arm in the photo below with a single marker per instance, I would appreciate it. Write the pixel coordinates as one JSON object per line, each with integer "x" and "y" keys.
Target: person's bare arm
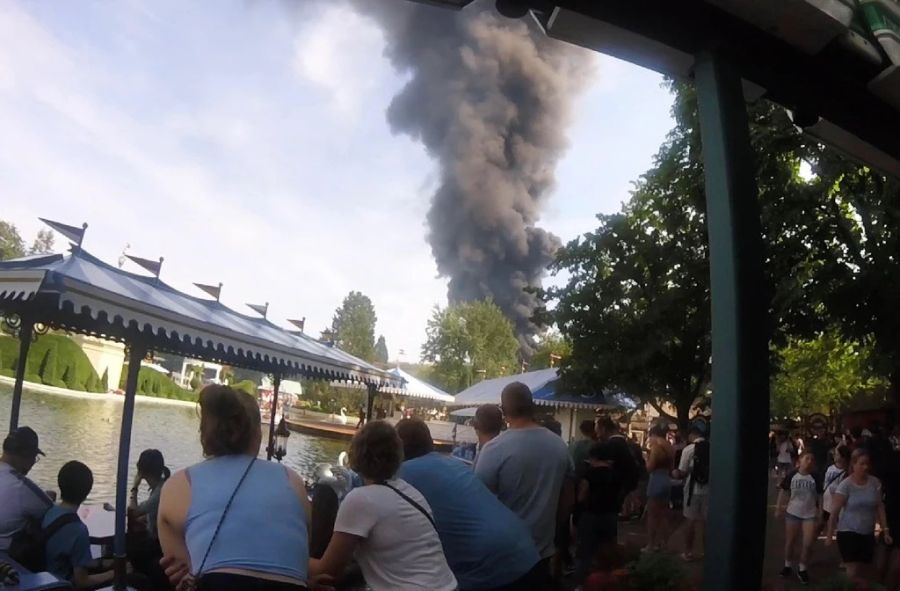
{"x": 837, "y": 505}
{"x": 338, "y": 554}
{"x": 174, "y": 502}
{"x": 584, "y": 490}
{"x": 882, "y": 521}
{"x": 81, "y": 579}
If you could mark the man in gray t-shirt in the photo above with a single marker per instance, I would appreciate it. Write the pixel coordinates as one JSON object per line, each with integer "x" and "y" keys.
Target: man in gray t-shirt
{"x": 21, "y": 498}
{"x": 526, "y": 466}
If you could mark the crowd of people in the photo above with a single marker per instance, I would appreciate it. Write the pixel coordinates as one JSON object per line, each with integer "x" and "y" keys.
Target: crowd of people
{"x": 843, "y": 488}
{"x": 416, "y": 519}
{"x": 528, "y": 511}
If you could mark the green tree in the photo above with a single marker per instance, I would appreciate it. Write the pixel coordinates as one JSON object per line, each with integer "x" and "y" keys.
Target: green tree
{"x": 469, "y": 341}
{"x": 381, "y": 350}
{"x": 636, "y": 306}
{"x": 226, "y": 375}
{"x": 91, "y": 385}
{"x": 49, "y": 371}
{"x": 821, "y": 374}
{"x": 551, "y": 350}
{"x": 353, "y": 326}
{"x": 43, "y": 243}
{"x": 854, "y": 226}
{"x": 68, "y": 377}
{"x": 11, "y": 244}
{"x": 104, "y": 381}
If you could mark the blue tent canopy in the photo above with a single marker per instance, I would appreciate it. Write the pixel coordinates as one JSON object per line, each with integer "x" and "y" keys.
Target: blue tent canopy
{"x": 543, "y": 384}
{"x": 82, "y": 293}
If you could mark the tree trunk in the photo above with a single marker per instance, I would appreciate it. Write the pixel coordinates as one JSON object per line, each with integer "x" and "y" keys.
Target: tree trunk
{"x": 684, "y": 415}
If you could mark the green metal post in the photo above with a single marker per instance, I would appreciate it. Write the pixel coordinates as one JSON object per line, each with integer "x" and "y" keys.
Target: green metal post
{"x": 739, "y": 453}
{"x": 276, "y": 385}
{"x": 26, "y": 328}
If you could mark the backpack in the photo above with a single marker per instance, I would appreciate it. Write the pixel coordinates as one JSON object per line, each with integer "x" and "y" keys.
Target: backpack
{"x": 700, "y": 463}
{"x": 29, "y": 544}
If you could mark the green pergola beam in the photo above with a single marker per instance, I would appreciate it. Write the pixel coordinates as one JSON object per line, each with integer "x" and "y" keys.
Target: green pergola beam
{"x": 736, "y": 528}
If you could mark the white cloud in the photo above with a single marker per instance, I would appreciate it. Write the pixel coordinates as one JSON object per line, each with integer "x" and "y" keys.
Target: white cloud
{"x": 335, "y": 54}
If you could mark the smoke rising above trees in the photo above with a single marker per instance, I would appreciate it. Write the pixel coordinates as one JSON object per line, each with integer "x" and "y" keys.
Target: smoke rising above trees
{"x": 490, "y": 98}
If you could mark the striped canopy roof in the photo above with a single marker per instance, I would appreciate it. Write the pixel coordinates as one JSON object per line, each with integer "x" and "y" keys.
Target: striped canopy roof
{"x": 79, "y": 292}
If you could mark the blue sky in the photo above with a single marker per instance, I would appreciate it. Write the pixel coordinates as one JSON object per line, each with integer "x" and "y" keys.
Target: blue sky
{"x": 247, "y": 144}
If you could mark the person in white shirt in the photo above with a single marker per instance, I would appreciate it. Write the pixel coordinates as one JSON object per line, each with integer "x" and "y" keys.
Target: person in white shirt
{"x": 22, "y": 499}
{"x": 387, "y": 523}
{"x": 784, "y": 462}
{"x": 803, "y": 490}
{"x": 693, "y": 468}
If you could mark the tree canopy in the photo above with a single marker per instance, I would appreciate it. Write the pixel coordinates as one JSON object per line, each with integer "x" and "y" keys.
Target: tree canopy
{"x": 467, "y": 342}
{"x": 43, "y": 243}
{"x": 381, "y": 350}
{"x": 353, "y": 326}
{"x": 821, "y": 374}
{"x": 11, "y": 244}
{"x": 552, "y": 348}
{"x": 636, "y": 306}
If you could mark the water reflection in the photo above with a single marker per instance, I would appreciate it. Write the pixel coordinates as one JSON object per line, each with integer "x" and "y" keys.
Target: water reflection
{"x": 88, "y": 430}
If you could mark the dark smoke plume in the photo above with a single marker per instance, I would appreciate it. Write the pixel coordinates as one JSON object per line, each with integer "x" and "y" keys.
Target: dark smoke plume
{"x": 490, "y": 98}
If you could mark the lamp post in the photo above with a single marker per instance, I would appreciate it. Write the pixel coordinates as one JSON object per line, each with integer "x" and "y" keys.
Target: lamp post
{"x": 281, "y": 437}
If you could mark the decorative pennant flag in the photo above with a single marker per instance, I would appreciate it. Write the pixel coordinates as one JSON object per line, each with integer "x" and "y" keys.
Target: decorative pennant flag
{"x": 213, "y": 290}
{"x": 261, "y": 310}
{"x": 299, "y": 323}
{"x": 73, "y": 233}
{"x": 153, "y": 266}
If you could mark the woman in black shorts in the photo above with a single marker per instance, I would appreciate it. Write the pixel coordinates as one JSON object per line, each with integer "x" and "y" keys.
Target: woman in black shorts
{"x": 856, "y": 505}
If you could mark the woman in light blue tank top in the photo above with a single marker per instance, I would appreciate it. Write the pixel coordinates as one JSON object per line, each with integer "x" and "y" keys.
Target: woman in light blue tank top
{"x": 261, "y": 542}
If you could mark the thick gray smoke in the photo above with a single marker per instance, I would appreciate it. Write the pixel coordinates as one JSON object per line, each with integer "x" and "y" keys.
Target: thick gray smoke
{"x": 490, "y": 98}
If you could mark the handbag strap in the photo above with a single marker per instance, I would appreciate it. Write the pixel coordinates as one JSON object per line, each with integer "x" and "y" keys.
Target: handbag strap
{"x": 413, "y": 503}
{"x": 222, "y": 518}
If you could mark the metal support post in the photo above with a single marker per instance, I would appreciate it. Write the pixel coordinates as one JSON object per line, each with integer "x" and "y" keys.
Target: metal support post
{"x": 738, "y": 450}
{"x": 26, "y": 330}
{"x": 136, "y": 353}
{"x": 276, "y": 384}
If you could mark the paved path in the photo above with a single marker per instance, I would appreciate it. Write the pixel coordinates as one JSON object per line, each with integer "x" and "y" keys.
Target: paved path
{"x": 823, "y": 561}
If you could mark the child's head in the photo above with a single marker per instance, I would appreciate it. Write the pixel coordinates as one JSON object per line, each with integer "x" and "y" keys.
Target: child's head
{"x": 842, "y": 456}
{"x": 75, "y": 482}
{"x": 600, "y": 454}
{"x": 806, "y": 462}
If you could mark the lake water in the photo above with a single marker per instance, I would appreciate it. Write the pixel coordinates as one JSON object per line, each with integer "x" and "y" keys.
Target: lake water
{"x": 88, "y": 430}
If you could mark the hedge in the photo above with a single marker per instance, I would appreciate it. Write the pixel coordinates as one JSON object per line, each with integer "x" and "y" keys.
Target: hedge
{"x": 159, "y": 385}
{"x": 52, "y": 359}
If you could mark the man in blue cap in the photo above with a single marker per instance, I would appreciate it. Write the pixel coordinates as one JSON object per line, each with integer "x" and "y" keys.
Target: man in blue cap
{"x": 22, "y": 498}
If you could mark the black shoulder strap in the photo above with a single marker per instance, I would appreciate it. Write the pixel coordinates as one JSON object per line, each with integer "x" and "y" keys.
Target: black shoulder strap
{"x": 413, "y": 503}
{"x": 35, "y": 489}
{"x": 57, "y": 524}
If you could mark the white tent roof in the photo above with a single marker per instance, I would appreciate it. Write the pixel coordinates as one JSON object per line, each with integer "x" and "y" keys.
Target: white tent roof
{"x": 413, "y": 386}
{"x": 542, "y": 386}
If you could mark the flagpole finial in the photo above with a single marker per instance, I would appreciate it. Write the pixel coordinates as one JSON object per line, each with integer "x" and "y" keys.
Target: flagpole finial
{"x": 73, "y": 233}
{"x": 219, "y": 294}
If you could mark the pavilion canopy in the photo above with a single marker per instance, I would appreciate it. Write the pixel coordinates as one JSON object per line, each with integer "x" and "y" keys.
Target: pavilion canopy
{"x": 543, "y": 384}
{"x": 82, "y": 293}
{"x": 409, "y": 385}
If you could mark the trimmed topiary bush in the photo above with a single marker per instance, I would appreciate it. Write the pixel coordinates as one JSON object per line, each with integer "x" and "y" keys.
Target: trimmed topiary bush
{"x": 9, "y": 373}
{"x": 33, "y": 378}
{"x": 49, "y": 371}
{"x": 68, "y": 355}
{"x": 104, "y": 381}
{"x": 92, "y": 383}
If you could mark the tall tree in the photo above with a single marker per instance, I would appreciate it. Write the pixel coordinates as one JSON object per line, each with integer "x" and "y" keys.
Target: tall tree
{"x": 854, "y": 215}
{"x": 353, "y": 326}
{"x": 469, "y": 341}
{"x": 381, "y": 350}
{"x": 11, "y": 244}
{"x": 821, "y": 374}
{"x": 43, "y": 243}
{"x": 551, "y": 350}
{"x": 636, "y": 305}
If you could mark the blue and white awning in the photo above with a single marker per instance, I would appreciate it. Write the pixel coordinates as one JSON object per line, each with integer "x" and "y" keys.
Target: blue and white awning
{"x": 80, "y": 292}
{"x": 543, "y": 385}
